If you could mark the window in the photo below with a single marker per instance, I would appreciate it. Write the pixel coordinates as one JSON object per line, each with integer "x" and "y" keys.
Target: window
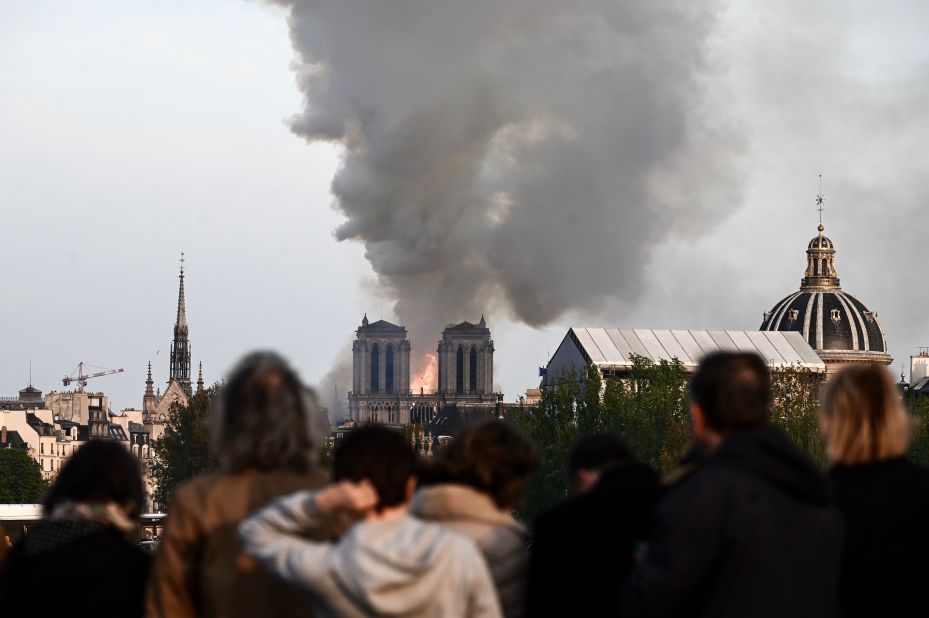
{"x": 459, "y": 370}
{"x": 389, "y": 379}
{"x": 375, "y": 368}
{"x": 472, "y": 370}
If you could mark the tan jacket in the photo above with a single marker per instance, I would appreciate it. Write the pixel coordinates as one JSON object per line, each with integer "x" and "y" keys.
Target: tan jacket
{"x": 201, "y": 570}
{"x": 499, "y": 537}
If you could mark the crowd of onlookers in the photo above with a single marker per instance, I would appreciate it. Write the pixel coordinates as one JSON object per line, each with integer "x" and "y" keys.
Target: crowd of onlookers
{"x": 748, "y": 525}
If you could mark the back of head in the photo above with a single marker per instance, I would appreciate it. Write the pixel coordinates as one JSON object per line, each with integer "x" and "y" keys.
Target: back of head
{"x": 264, "y": 417}
{"x": 493, "y": 458}
{"x": 100, "y": 472}
{"x": 862, "y": 417}
{"x": 379, "y": 455}
{"x": 733, "y": 390}
{"x": 597, "y": 451}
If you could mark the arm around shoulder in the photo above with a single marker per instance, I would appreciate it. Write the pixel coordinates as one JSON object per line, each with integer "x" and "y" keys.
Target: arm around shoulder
{"x": 271, "y": 537}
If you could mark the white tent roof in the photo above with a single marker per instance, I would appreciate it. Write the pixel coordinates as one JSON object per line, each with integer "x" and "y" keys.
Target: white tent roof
{"x": 613, "y": 348}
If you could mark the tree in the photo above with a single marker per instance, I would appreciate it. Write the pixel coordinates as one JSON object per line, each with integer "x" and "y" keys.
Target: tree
{"x": 21, "y": 479}
{"x": 184, "y": 451}
{"x": 649, "y": 408}
{"x": 918, "y": 407}
{"x": 795, "y": 408}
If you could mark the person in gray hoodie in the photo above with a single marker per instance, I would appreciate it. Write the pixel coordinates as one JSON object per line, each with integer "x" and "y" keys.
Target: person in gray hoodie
{"x": 388, "y": 562}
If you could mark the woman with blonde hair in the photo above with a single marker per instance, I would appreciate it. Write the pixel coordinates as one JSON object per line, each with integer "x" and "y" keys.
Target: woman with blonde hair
{"x": 883, "y": 497}
{"x": 266, "y": 428}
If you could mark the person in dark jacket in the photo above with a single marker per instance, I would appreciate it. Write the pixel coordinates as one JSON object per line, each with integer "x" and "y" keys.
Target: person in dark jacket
{"x": 752, "y": 530}
{"x": 583, "y": 547}
{"x": 883, "y": 497}
{"x": 81, "y": 558}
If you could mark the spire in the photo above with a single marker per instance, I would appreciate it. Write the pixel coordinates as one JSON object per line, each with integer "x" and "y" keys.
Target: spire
{"x": 820, "y": 254}
{"x": 149, "y": 384}
{"x": 181, "y": 303}
{"x": 180, "y": 346}
{"x": 364, "y": 320}
{"x": 200, "y": 379}
{"x": 482, "y": 323}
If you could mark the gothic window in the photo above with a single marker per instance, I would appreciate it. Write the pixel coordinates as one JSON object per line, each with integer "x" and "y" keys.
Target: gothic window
{"x": 459, "y": 370}
{"x": 389, "y": 379}
{"x": 472, "y": 377}
{"x": 375, "y": 368}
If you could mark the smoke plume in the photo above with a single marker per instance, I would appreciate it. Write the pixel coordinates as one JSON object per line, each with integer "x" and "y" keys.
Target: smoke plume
{"x": 514, "y": 157}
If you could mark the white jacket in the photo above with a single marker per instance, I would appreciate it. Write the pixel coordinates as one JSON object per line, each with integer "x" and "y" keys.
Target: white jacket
{"x": 499, "y": 537}
{"x": 400, "y": 567}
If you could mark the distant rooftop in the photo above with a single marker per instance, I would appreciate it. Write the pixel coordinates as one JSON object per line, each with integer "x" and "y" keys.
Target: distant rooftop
{"x": 614, "y": 348}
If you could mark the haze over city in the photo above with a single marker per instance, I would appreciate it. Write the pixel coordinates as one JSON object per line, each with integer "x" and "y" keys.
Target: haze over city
{"x": 131, "y": 133}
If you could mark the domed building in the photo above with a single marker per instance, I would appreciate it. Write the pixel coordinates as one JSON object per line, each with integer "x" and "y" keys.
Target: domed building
{"x": 837, "y": 325}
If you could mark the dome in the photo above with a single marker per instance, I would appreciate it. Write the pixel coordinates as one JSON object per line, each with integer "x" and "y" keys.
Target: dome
{"x": 829, "y": 320}
{"x": 835, "y": 324}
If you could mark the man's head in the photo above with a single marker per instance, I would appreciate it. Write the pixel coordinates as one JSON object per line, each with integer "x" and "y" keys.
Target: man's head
{"x": 729, "y": 392}
{"x": 381, "y": 456}
{"x": 591, "y": 455}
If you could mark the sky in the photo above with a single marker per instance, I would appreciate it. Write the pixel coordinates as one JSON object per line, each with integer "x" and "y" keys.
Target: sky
{"x": 132, "y": 131}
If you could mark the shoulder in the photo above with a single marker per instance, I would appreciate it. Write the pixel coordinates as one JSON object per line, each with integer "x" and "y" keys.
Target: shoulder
{"x": 198, "y": 488}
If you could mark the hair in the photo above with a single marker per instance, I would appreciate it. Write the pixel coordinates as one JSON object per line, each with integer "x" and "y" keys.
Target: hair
{"x": 597, "y": 451}
{"x": 264, "y": 418}
{"x": 862, "y": 417}
{"x": 733, "y": 390}
{"x": 491, "y": 457}
{"x": 379, "y": 455}
{"x": 99, "y": 472}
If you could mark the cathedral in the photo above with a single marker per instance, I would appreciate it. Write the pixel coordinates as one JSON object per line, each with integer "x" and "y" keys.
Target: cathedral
{"x": 381, "y": 390}
{"x": 838, "y": 326}
{"x": 155, "y": 406}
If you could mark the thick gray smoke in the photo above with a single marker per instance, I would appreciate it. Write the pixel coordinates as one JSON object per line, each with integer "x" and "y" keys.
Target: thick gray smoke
{"x": 513, "y": 157}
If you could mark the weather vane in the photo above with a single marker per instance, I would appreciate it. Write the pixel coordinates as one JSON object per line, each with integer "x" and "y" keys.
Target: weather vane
{"x": 820, "y": 198}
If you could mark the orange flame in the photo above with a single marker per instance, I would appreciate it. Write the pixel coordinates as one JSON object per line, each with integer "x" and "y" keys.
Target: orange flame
{"x": 428, "y": 376}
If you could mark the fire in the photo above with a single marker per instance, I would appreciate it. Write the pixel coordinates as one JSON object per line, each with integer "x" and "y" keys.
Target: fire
{"x": 429, "y": 375}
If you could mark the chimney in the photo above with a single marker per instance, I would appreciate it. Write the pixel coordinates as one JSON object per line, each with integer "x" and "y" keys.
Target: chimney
{"x": 3, "y": 435}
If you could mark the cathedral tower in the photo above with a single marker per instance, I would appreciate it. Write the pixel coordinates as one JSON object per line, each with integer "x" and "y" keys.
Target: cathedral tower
{"x": 180, "y": 346}
{"x": 381, "y": 359}
{"x": 466, "y": 360}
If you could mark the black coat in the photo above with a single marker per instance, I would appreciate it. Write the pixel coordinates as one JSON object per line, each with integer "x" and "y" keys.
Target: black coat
{"x": 583, "y": 548}
{"x": 886, "y": 552}
{"x": 751, "y": 532}
{"x": 75, "y": 568}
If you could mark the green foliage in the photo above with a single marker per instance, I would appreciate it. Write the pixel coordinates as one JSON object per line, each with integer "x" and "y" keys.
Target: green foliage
{"x": 184, "y": 450}
{"x": 795, "y": 408}
{"x": 649, "y": 409}
{"x": 918, "y": 407}
{"x": 21, "y": 479}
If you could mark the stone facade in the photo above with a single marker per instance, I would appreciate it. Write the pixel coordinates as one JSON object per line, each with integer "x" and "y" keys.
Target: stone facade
{"x": 381, "y": 390}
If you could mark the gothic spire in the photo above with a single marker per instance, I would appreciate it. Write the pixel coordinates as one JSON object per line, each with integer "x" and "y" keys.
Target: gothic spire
{"x": 180, "y": 346}
{"x": 200, "y": 379}
{"x": 181, "y": 303}
{"x": 149, "y": 384}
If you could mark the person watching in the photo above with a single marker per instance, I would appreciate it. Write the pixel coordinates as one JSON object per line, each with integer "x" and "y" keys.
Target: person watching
{"x": 388, "y": 562}
{"x": 752, "y": 530}
{"x": 884, "y": 498}
{"x": 588, "y": 543}
{"x": 266, "y": 429}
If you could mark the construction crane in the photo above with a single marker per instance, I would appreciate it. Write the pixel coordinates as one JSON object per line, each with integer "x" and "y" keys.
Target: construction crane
{"x": 81, "y": 378}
